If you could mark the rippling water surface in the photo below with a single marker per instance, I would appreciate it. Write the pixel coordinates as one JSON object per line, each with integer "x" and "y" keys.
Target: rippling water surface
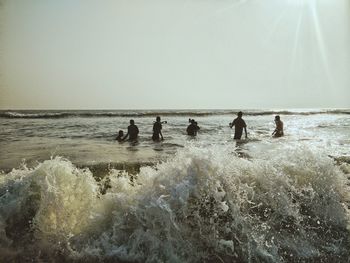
{"x": 70, "y": 192}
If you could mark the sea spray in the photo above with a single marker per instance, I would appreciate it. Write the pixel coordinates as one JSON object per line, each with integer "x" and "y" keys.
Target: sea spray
{"x": 204, "y": 204}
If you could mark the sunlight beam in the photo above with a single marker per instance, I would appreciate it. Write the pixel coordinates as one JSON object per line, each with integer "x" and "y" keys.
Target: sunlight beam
{"x": 320, "y": 41}
{"x": 295, "y": 45}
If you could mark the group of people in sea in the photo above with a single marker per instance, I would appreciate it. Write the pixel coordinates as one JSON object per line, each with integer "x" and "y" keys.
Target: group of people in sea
{"x": 193, "y": 128}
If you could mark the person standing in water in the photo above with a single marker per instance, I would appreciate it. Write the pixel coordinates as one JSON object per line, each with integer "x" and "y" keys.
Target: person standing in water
{"x": 239, "y": 124}
{"x": 133, "y": 131}
{"x": 120, "y": 136}
{"x": 193, "y": 128}
{"x": 278, "y": 132}
{"x": 157, "y": 130}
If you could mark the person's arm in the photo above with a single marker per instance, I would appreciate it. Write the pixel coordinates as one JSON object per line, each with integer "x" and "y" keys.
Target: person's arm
{"x": 160, "y": 130}
{"x": 232, "y": 123}
{"x": 126, "y": 135}
{"x": 245, "y": 130}
{"x": 274, "y": 130}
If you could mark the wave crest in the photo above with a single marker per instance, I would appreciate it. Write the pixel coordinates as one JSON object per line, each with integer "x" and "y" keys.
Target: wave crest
{"x": 152, "y": 113}
{"x": 203, "y": 205}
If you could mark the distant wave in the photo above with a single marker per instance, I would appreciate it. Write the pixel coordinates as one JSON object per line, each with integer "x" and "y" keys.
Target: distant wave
{"x": 143, "y": 113}
{"x": 13, "y": 114}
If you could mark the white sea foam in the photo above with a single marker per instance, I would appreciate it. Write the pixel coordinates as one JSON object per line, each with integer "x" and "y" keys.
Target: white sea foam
{"x": 34, "y": 114}
{"x": 202, "y": 205}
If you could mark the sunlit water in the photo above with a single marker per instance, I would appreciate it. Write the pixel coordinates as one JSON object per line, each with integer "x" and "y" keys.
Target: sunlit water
{"x": 88, "y": 138}
{"x": 182, "y": 200}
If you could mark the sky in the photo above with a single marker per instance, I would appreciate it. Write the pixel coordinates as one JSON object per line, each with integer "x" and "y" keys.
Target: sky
{"x": 174, "y": 54}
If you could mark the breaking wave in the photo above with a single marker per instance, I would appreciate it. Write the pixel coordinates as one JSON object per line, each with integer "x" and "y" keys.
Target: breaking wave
{"x": 143, "y": 113}
{"x": 203, "y": 205}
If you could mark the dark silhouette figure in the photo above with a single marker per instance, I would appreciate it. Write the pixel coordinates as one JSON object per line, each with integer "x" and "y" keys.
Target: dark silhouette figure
{"x": 120, "y": 136}
{"x": 278, "y": 132}
{"x": 133, "y": 131}
{"x": 239, "y": 124}
{"x": 197, "y": 127}
{"x": 193, "y": 128}
{"x": 157, "y": 130}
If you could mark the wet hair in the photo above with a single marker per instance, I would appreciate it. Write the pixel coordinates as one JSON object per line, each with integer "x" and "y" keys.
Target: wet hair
{"x": 277, "y": 117}
{"x": 132, "y": 122}
{"x": 240, "y": 114}
{"x": 158, "y": 118}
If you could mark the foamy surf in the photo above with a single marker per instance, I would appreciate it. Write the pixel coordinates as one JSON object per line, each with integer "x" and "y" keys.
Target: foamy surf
{"x": 203, "y": 205}
{"x": 37, "y": 114}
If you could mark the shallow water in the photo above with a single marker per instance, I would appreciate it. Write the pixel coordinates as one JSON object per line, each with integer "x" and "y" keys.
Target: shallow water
{"x": 206, "y": 199}
{"x": 87, "y": 137}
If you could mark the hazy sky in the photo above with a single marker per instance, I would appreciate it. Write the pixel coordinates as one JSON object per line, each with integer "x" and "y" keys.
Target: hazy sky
{"x": 151, "y": 54}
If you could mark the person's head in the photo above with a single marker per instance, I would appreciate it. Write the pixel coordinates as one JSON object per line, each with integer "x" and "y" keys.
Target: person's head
{"x": 193, "y": 121}
{"x": 240, "y": 114}
{"x": 121, "y": 133}
{"x": 158, "y": 119}
{"x": 277, "y": 118}
{"x": 132, "y": 122}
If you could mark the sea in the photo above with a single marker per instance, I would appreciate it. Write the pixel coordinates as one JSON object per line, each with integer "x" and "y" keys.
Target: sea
{"x": 69, "y": 192}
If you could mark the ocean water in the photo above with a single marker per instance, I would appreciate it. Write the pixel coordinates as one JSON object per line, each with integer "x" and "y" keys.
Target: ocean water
{"x": 70, "y": 193}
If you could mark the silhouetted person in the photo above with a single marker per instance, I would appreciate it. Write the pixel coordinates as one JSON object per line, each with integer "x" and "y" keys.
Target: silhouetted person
{"x": 193, "y": 128}
{"x": 120, "y": 136}
{"x": 278, "y": 132}
{"x": 196, "y": 127}
{"x": 157, "y": 130}
{"x": 239, "y": 124}
{"x": 133, "y": 131}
